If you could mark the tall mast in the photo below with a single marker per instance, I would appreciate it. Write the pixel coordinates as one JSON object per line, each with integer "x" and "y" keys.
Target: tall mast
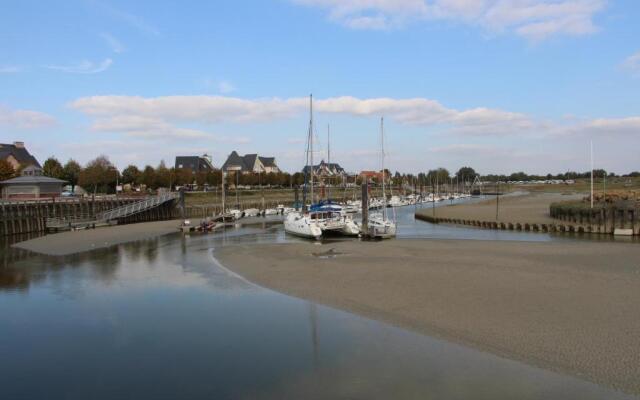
{"x": 329, "y": 158}
{"x": 311, "y": 142}
{"x": 223, "y": 193}
{"x": 384, "y": 194}
{"x": 592, "y": 174}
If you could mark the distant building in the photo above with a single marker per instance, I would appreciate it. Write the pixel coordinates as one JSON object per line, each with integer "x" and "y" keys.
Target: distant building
{"x": 374, "y": 175}
{"x": 325, "y": 169}
{"x": 250, "y": 163}
{"x": 194, "y": 163}
{"x": 32, "y": 184}
{"x": 371, "y": 175}
{"x": 17, "y": 155}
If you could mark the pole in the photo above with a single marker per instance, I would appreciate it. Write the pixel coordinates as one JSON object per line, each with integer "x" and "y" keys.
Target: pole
{"x": 261, "y": 189}
{"x": 223, "y": 191}
{"x": 497, "y": 199}
{"x": 329, "y": 160}
{"x": 237, "y": 193}
{"x": 311, "y": 142}
{"x": 433, "y": 200}
{"x": 604, "y": 187}
{"x": 365, "y": 209}
{"x": 384, "y": 193}
{"x": 182, "y": 208}
{"x": 592, "y": 174}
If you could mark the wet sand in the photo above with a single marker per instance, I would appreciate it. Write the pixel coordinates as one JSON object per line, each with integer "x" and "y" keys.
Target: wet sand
{"x": 65, "y": 243}
{"x": 566, "y": 306}
{"x": 524, "y": 208}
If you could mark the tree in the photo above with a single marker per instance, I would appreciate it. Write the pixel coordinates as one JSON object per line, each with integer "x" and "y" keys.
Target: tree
{"x": 518, "y": 176}
{"x": 71, "y": 173}
{"x": 99, "y": 175}
{"x": 201, "y": 178}
{"x": 163, "y": 176}
{"x": 52, "y": 168}
{"x": 131, "y": 175}
{"x": 466, "y": 174}
{"x": 148, "y": 177}
{"x": 6, "y": 170}
{"x": 184, "y": 176}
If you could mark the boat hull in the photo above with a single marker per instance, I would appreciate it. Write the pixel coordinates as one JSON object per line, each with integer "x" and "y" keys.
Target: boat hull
{"x": 302, "y": 227}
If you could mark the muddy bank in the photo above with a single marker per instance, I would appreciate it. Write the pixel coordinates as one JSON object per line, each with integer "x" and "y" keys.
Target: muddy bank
{"x": 566, "y": 306}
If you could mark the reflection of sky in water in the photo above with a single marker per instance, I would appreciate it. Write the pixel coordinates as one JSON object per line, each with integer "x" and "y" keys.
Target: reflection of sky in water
{"x": 159, "y": 319}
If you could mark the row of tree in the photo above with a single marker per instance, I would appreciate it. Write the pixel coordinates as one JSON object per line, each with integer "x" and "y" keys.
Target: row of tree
{"x": 100, "y": 175}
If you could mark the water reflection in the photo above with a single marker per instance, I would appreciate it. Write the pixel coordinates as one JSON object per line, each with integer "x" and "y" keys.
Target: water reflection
{"x": 19, "y": 268}
{"x": 160, "y": 319}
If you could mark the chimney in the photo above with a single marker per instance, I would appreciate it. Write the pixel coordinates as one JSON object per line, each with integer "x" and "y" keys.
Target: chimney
{"x": 19, "y": 145}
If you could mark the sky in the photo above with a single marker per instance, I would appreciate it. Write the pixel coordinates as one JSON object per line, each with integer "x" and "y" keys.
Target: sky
{"x": 499, "y": 85}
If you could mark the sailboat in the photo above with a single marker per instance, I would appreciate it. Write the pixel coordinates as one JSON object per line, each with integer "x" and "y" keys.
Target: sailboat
{"x": 340, "y": 220}
{"x": 303, "y": 223}
{"x": 379, "y": 225}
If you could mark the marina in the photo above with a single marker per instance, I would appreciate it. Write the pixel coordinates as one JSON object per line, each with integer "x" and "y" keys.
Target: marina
{"x": 229, "y": 337}
{"x": 320, "y": 199}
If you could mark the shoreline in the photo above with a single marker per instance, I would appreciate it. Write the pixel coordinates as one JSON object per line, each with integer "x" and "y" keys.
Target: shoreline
{"x": 66, "y": 243}
{"x": 566, "y": 307}
{"x": 530, "y": 208}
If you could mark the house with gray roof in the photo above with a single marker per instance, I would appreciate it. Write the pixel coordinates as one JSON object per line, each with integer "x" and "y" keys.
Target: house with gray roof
{"x": 32, "y": 184}
{"x": 250, "y": 163}
{"x": 17, "y": 155}
{"x": 194, "y": 163}
{"x": 325, "y": 169}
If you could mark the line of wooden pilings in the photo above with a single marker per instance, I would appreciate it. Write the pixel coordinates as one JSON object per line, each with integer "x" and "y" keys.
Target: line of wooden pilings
{"x": 629, "y": 222}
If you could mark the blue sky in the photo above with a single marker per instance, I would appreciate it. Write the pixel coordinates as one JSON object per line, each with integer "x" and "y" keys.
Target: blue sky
{"x": 499, "y": 85}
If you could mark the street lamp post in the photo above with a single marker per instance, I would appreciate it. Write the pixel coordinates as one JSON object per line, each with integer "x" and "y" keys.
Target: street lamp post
{"x": 497, "y": 199}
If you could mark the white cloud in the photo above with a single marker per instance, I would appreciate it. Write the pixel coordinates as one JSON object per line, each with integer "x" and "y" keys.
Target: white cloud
{"x": 174, "y": 116}
{"x": 145, "y": 127}
{"x": 203, "y": 109}
{"x": 24, "y": 119}
{"x": 10, "y": 69}
{"x": 632, "y": 64}
{"x": 114, "y": 44}
{"x": 533, "y": 19}
{"x": 153, "y": 128}
{"x": 116, "y": 110}
{"x": 83, "y": 67}
{"x": 426, "y": 112}
{"x": 608, "y": 127}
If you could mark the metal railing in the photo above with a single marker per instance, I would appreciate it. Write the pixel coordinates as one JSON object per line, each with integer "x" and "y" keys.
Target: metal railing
{"x": 137, "y": 207}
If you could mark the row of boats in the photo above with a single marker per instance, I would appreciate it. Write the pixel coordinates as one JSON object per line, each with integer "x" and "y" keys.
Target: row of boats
{"x": 329, "y": 218}
{"x": 401, "y": 201}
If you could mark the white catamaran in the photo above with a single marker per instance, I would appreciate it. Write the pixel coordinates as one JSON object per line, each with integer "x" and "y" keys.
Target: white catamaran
{"x": 379, "y": 225}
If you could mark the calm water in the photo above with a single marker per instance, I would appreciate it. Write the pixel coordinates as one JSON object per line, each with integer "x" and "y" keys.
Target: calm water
{"x": 161, "y": 319}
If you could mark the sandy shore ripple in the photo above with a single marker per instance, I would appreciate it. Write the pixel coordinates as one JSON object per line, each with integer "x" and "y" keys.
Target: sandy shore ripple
{"x": 567, "y": 306}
